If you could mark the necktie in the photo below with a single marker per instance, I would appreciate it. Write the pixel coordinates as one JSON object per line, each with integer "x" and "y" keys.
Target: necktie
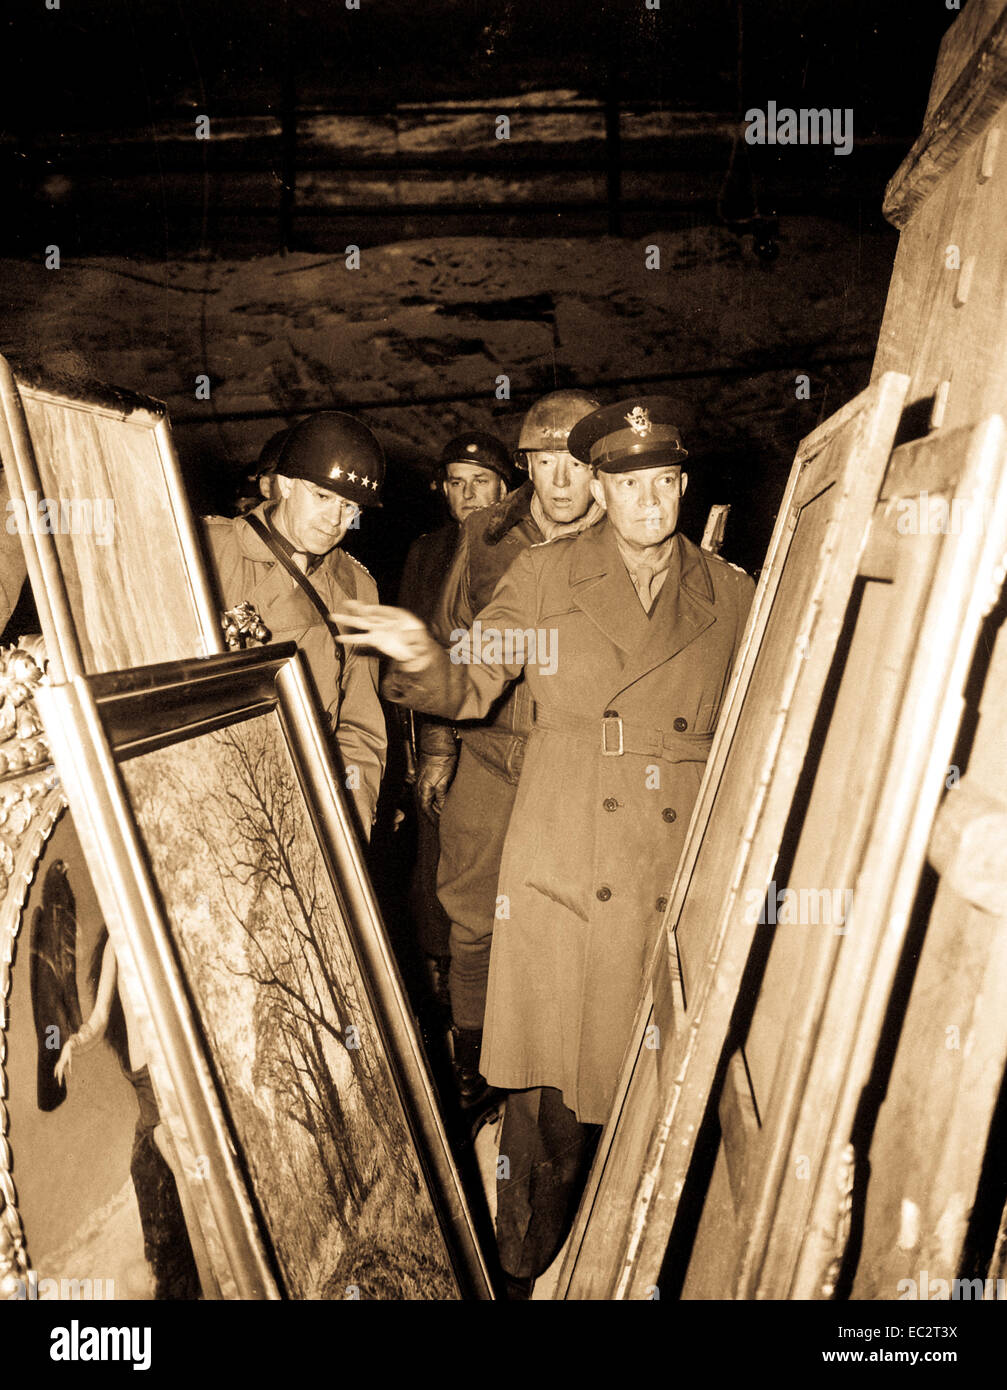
{"x": 644, "y": 584}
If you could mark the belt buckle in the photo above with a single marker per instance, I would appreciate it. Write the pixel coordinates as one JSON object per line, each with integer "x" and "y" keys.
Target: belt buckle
{"x": 606, "y": 721}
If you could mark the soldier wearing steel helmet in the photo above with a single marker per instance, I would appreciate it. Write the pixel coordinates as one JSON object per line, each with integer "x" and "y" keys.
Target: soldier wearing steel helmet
{"x": 327, "y": 469}
{"x": 474, "y": 471}
{"x": 257, "y": 481}
{"x": 483, "y": 778}
{"x": 644, "y": 627}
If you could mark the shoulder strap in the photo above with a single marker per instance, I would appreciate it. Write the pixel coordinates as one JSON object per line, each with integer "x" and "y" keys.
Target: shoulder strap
{"x": 309, "y": 590}
{"x": 351, "y": 574}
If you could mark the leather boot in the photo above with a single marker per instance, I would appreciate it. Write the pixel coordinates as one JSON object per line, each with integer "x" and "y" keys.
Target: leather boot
{"x": 439, "y": 968}
{"x": 472, "y": 1087}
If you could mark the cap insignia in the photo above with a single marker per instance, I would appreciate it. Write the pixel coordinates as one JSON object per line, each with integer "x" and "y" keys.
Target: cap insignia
{"x": 638, "y": 420}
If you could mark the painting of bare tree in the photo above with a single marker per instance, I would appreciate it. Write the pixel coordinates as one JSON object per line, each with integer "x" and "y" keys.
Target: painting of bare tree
{"x": 270, "y": 964}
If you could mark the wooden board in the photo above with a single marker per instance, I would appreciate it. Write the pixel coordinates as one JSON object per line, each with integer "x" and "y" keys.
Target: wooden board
{"x": 812, "y": 1039}
{"x": 934, "y": 1167}
{"x": 945, "y": 321}
{"x": 930, "y": 1139}
{"x": 114, "y": 563}
{"x": 960, "y": 44}
{"x": 969, "y": 90}
{"x": 619, "y": 1239}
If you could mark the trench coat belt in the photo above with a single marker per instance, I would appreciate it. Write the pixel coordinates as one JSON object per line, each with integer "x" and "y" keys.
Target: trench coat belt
{"x": 614, "y": 736}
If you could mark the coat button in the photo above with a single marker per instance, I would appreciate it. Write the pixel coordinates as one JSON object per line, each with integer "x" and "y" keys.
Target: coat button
{"x": 603, "y": 894}
{"x": 610, "y": 713}
{"x": 661, "y": 904}
{"x": 680, "y": 725}
{"x": 669, "y": 815}
{"x": 610, "y": 803}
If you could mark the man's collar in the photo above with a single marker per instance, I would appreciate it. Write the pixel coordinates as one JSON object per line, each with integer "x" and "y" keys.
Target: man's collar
{"x": 552, "y": 530}
{"x": 313, "y": 561}
{"x": 636, "y": 560}
{"x": 597, "y": 552}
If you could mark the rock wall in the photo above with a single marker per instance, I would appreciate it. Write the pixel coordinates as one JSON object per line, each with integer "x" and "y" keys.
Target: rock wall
{"x": 418, "y": 336}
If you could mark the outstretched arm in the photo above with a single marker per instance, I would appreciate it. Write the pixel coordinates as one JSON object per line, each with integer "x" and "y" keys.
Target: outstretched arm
{"x": 463, "y": 680}
{"x": 93, "y": 1030}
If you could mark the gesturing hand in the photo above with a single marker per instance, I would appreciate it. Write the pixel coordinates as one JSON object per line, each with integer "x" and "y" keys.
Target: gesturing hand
{"x": 394, "y": 631}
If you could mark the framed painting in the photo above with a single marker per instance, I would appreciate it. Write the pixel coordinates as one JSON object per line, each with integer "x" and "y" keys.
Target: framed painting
{"x": 287, "y": 1085}
{"x": 674, "y": 1058}
{"x": 112, "y": 554}
{"x": 88, "y": 1208}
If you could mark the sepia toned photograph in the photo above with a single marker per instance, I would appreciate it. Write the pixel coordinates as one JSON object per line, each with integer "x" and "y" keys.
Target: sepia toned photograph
{"x": 502, "y": 588}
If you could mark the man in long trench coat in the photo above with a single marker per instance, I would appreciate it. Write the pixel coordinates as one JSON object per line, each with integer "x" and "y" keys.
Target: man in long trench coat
{"x": 626, "y": 635}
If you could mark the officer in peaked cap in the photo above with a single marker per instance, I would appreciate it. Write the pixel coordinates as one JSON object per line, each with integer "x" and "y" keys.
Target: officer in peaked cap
{"x": 327, "y": 469}
{"x": 635, "y": 451}
{"x": 638, "y": 433}
{"x": 642, "y": 628}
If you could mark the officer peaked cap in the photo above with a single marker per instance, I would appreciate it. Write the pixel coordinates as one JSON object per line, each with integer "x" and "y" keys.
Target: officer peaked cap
{"x": 636, "y": 433}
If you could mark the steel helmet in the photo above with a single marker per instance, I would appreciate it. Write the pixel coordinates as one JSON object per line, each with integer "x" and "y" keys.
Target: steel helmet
{"x": 335, "y": 451}
{"x": 550, "y": 420}
{"x": 269, "y": 453}
{"x": 477, "y": 446}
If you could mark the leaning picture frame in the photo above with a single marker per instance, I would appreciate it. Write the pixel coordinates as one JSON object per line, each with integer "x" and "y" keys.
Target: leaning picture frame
{"x": 111, "y": 548}
{"x": 638, "y": 1180}
{"x": 254, "y": 968}
{"x": 70, "y": 1227}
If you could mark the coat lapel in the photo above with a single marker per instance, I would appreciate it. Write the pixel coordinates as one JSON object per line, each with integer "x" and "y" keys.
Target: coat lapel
{"x": 602, "y": 588}
{"x": 684, "y": 609}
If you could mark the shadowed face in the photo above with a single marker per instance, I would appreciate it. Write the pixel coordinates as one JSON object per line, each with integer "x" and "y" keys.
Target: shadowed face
{"x": 643, "y": 504}
{"x": 562, "y": 484}
{"x": 311, "y": 517}
{"x": 469, "y": 487}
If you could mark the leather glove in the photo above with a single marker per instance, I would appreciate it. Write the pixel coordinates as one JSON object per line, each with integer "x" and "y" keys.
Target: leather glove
{"x": 436, "y": 774}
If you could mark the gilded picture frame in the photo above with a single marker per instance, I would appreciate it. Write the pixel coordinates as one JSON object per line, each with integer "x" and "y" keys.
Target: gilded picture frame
{"x": 286, "y": 1067}
{"x": 113, "y": 557}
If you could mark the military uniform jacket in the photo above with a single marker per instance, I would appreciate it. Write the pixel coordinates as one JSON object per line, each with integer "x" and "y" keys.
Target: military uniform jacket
{"x": 423, "y": 574}
{"x": 246, "y": 570}
{"x": 595, "y": 837}
{"x": 490, "y": 541}
{"x": 426, "y": 568}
